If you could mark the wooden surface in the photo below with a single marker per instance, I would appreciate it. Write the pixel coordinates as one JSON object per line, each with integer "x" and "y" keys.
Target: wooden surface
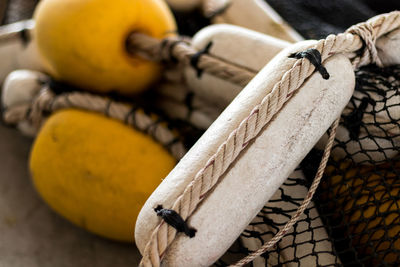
{"x": 31, "y": 235}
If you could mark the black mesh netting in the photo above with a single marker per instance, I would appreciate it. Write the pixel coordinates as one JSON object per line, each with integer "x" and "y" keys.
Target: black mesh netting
{"x": 354, "y": 219}
{"x": 316, "y": 19}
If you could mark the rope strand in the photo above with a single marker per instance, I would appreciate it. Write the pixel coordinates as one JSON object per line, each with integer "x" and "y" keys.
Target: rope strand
{"x": 282, "y": 232}
{"x": 358, "y": 43}
{"x": 47, "y": 102}
{"x": 180, "y": 50}
{"x": 346, "y": 43}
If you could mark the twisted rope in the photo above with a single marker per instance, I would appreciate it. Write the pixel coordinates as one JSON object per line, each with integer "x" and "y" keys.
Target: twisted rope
{"x": 47, "y": 102}
{"x": 177, "y": 49}
{"x": 282, "y": 232}
{"x": 347, "y": 43}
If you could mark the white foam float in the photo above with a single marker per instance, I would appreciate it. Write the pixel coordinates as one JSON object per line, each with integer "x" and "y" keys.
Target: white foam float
{"x": 241, "y": 47}
{"x": 256, "y": 15}
{"x": 261, "y": 168}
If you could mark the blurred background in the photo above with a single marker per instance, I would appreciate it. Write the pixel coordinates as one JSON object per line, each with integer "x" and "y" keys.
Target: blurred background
{"x": 32, "y": 235}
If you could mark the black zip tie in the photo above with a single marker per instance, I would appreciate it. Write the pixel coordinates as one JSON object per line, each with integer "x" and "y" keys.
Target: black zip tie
{"x": 314, "y": 56}
{"x": 175, "y": 220}
{"x": 194, "y": 60}
{"x": 24, "y": 34}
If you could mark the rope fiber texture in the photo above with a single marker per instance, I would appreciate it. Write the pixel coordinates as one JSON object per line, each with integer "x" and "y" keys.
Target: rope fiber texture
{"x": 47, "y": 102}
{"x": 351, "y": 43}
{"x": 320, "y": 172}
{"x": 176, "y": 49}
{"x": 358, "y": 43}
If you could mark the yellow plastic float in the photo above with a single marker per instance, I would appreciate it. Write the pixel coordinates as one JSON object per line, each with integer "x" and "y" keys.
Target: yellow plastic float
{"x": 83, "y": 42}
{"x": 93, "y": 170}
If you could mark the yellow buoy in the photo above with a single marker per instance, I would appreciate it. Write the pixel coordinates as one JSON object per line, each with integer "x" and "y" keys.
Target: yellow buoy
{"x": 97, "y": 172}
{"x": 83, "y": 42}
{"x": 368, "y": 198}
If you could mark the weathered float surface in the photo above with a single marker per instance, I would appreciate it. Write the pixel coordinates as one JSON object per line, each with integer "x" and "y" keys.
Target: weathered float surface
{"x": 244, "y": 188}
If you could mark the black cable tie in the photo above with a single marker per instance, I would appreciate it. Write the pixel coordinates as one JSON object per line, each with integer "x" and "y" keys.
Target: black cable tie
{"x": 175, "y": 220}
{"x": 25, "y": 37}
{"x": 194, "y": 60}
{"x": 314, "y": 56}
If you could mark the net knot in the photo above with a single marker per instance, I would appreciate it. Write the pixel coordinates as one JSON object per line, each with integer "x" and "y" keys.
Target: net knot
{"x": 368, "y": 53}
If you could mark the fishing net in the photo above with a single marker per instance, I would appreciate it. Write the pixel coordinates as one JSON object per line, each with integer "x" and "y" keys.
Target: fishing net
{"x": 354, "y": 219}
{"x": 359, "y": 197}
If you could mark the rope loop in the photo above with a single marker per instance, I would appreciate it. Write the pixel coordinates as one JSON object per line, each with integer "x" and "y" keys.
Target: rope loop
{"x": 358, "y": 43}
{"x": 47, "y": 102}
{"x": 369, "y": 53}
{"x": 40, "y": 106}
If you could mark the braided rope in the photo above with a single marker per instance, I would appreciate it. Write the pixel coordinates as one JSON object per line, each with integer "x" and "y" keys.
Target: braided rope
{"x": 47, "y": 102}
{"x": 346, "y": 43}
